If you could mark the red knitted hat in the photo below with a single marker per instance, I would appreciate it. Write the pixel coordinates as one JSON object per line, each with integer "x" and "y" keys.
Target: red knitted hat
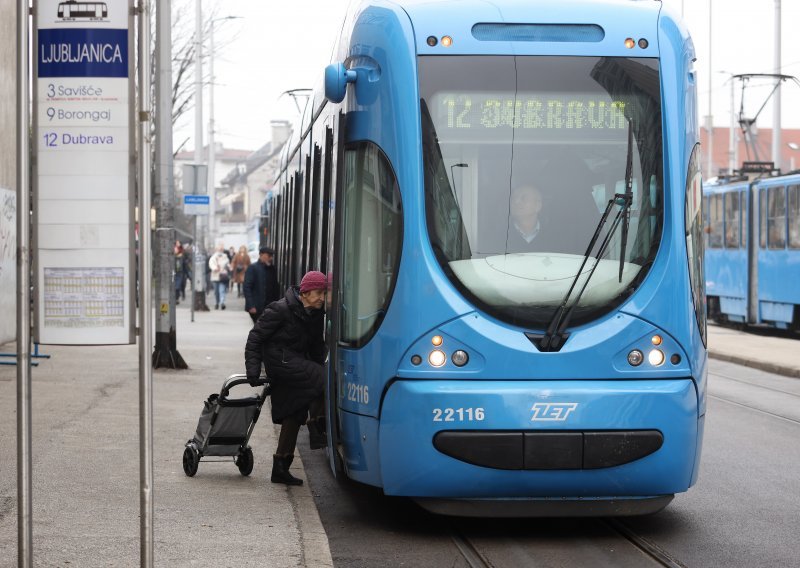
{"x": 314, "y": 280}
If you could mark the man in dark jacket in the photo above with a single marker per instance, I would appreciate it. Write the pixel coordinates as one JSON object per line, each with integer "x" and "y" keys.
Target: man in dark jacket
{"x": 287, "y": 339}
{"x": 260, "y": 284}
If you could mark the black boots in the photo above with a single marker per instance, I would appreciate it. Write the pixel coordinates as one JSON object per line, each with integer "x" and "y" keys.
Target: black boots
{"x": 317, "y": 438}
{"x": 280, "y": 471}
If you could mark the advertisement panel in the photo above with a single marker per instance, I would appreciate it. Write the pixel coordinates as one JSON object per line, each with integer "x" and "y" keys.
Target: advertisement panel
{"x": 83, "y": 151}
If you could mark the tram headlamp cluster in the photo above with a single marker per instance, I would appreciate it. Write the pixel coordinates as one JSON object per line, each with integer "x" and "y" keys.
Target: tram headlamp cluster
{"x": 630, "y": 43}
{"x": 437, "y": 357}
{"x": 446, "y": 41}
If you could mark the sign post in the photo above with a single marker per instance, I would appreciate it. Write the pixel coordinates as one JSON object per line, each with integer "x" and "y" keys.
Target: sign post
{"x": 83, "y": 183}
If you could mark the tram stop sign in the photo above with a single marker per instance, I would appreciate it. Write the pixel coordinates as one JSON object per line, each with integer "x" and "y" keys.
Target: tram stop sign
{"x": 196, "y": 204}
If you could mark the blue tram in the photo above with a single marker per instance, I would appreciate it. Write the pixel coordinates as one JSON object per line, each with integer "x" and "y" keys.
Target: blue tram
{"x": 508, "y": 197}
{"x": 753, "y": 251}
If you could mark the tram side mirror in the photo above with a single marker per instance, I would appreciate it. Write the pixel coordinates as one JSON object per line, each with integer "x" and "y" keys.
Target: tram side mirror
{"x": 336, "y": 79}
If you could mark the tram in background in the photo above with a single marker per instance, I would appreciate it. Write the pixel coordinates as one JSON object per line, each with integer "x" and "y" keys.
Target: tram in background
{"x": 753, "y": 250}
{"x": 565, "y": 375}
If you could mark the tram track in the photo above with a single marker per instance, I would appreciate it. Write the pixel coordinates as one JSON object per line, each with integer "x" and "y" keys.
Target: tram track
{"x": 474, "y": 558}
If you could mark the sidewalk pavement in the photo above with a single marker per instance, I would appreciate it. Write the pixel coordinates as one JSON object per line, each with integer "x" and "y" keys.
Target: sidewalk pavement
{"x": 780, "y": 355}
{"x": 86, "y": 462}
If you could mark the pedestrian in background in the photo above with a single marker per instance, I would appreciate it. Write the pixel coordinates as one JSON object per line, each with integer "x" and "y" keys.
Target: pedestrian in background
{"x": 180, "y": 273}
{"x": 287, "y": 339}
{"x": 220, "y": 275}
{"x": 261, "y": 284}
{"x": 239, "y": 265}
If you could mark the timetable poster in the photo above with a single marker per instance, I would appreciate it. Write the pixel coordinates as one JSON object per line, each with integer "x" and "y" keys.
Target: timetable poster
{"x": 83, "y": 198}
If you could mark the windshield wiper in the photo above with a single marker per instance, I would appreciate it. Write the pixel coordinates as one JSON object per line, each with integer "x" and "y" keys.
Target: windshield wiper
{"x": 555, "y": 336}
{"x": 626, "y": 220}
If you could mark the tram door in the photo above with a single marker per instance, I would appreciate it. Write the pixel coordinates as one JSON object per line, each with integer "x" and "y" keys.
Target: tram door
{"x": 332, "y": 183}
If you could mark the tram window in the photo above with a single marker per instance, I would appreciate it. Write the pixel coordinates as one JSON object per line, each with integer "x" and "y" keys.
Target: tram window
{"x": 372, "y": 230}
{"x": 743, "y": 217}
{"x": 776, "y": 223}
{"x": 762, "y": 218}
{"x": 715, "y": 221}
{"x": 794, "y": 216}
{"x": 732, "y": 220}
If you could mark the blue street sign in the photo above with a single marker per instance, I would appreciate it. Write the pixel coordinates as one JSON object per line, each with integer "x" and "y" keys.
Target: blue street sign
{"x": 196, "y": 204}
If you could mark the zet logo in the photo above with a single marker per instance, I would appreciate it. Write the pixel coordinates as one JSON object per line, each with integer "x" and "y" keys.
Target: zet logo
{"x": 552, "y": 411}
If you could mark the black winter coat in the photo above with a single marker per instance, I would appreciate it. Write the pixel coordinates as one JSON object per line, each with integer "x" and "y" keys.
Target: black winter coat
{"x": 288, "y": 341}
{"x": 260, "y": 286}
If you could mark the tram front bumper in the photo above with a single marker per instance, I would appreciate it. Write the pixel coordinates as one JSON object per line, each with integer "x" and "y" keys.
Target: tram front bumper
{"x": 513, "y": 439}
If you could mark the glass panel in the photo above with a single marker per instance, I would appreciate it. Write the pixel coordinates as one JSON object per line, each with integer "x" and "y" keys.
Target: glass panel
{"x": 694, "y": 243}
{"x": 715, "y": 221}
{"x": 794, "y": 216}
{"x": 743, "y": 206}
{"x": 522, "y": 156}
{"x": 777, "y": 218}
{"x": 762, "y": 218}
{"x": 732, "y": 220}
{"x": 372, "y": 236}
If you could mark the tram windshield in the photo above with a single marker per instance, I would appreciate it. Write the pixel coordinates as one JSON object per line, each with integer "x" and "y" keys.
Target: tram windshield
{"x": 521, "y": 156}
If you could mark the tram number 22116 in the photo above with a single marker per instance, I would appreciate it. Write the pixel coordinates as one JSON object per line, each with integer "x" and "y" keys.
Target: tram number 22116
{"x": 458, "y": 414}
{"x": 358, "y": 393}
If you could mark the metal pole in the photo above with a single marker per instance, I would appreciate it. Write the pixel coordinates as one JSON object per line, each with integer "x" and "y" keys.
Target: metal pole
{"x": 710, "y": 116}
{"x": 198, "y": 102}
{"x": 732, "y": 134}
{"x": 166, "y": 348}
{"x": 24, "y": 446}
{"x": 776, "y": 115}
{"x": 145, "y": 298}
{"x": 212, "y": 188}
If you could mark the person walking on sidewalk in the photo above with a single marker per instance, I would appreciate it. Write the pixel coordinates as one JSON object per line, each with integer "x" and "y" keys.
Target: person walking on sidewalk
{"x": 260, "y": 284}
{"x": 220, "y": 275}
{"x": 287, "y": 339}
{"x": 239, "y": 264}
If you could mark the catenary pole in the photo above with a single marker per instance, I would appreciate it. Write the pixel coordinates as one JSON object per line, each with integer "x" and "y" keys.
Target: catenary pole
{"x": 776, "y": 114}
{"x": 166, "y": 353}
{"x": 710, "y": 115}
{"x": 212, "y": 150}
{"x": 200, "y": 236}
{"x": 145, "y": 297}
{"x": 24, "y": 422}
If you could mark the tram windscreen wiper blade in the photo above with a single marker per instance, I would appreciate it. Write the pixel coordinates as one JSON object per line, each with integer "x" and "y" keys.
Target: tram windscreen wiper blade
{"x": 626, "y": 210}
{"x": 555, "y": 336}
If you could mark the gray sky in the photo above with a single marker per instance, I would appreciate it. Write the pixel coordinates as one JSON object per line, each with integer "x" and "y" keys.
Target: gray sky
{"x": 279, "y": 46}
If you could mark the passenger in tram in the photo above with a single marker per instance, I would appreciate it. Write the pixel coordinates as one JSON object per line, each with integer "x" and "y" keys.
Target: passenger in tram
{"x": 287, "y": 339}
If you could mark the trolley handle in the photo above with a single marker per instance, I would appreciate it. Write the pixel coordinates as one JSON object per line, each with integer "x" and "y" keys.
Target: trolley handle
{"x": 240, "y": 379}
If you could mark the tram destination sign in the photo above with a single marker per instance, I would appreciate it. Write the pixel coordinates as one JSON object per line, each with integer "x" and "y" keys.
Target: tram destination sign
{"x": 83, "y": 117}
{"x": 550, "y": 114}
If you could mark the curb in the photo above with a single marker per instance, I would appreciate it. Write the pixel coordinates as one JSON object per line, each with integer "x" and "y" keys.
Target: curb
{"x": 760, "y": 365}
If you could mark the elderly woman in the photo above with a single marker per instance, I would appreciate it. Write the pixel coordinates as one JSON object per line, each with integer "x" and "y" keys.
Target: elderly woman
{"x": 287, "y": 339}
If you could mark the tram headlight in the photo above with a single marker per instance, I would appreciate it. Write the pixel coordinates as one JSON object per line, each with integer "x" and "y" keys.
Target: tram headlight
{"x": 437, "y": 358}
{"x": 437, "y": 340}
{"x": 459, "y": 358}
{"x": 656, "y": 357}
{"x": 447, "y": 41}
{"x": 630, "y": 43}
{"x": 656, "y": 340}
{"x": 635, "y": 358}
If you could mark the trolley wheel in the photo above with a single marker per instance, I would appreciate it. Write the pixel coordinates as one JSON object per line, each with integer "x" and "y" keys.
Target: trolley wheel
{"x": 244, "y": 462}
{"x": 191, "y": 459}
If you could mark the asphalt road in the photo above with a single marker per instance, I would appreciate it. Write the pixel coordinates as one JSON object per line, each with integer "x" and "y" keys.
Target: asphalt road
{"x": 744, "y": 510}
